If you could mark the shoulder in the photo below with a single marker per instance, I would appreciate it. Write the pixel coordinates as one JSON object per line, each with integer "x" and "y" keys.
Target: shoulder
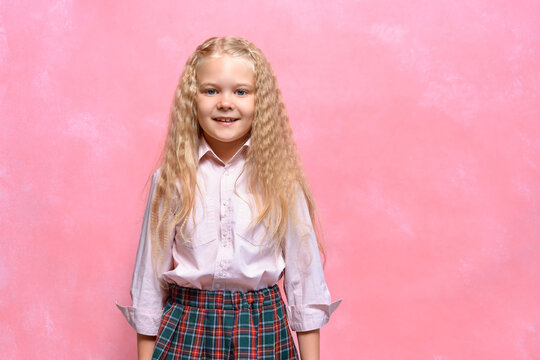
{"x": 153, "y": 179}
{"x": 155, "y": 175}
{"x": 300, "y": 195}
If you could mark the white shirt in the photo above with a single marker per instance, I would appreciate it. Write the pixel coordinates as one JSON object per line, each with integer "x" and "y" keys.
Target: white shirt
{"x": 226, "y": 255}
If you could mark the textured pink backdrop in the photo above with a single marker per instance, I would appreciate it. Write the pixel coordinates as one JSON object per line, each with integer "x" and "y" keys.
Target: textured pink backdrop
{"x": 419, "y": 125}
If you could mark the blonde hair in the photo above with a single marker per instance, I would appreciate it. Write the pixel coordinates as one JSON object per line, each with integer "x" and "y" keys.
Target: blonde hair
{"x": 275, "y": 173}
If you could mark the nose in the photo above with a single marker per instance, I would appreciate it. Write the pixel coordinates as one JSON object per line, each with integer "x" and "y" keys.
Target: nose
{"x": 225, "y": 102}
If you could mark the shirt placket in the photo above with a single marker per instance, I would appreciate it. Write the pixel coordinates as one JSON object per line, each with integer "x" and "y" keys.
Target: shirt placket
{"x": 225, "y": 249}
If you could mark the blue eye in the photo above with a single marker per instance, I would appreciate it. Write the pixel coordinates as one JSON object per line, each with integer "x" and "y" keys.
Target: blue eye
{"x": 241, "y": 92}
{"x": 210, "y": 91}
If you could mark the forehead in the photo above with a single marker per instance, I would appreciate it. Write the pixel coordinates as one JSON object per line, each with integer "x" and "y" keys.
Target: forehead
{"x": 225, "y": 68}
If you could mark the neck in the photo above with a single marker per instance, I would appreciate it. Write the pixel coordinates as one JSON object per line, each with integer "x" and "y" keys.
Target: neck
{"x": 225, "y": 151}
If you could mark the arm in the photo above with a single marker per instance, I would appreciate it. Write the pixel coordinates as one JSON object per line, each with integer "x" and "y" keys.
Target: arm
{"x": 145, "y": 346}
{"x": 147, "y": 294}
{"x": 309, "y": 344}
{"x": 309, "y": 302}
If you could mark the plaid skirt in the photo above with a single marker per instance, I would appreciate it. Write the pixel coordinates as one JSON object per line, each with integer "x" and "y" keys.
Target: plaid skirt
{"x": 205, "y": 324}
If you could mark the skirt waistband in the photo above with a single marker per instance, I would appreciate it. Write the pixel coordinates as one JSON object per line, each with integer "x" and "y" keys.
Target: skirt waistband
{"x": 224, "y": 299}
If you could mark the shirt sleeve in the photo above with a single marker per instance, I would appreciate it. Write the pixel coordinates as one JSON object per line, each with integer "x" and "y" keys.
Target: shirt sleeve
{"x": 309, "y": 305}
{"x": 147, "y": 290}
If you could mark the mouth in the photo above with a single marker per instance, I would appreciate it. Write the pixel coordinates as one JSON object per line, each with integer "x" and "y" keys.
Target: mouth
{"x": 225, "y": 119}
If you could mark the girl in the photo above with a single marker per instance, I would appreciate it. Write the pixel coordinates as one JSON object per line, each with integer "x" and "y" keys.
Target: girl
{"x": 229, "y": 213}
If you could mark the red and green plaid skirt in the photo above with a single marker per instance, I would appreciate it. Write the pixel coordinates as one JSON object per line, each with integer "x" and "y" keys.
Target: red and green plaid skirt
{"x": 205, "y": 324}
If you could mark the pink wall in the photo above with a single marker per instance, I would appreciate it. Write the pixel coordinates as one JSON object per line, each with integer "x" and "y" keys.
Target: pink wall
{"x": 418, "y": 122}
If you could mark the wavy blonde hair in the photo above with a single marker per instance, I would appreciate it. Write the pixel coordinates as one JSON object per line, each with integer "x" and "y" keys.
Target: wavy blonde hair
{"x": 273, "y": 167}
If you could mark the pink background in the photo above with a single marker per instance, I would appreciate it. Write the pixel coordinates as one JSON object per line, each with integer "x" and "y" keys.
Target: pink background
{"x": 419, "y": 125}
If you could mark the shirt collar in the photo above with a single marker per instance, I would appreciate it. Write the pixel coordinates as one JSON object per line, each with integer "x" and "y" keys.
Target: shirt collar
{"x": 204, "y": 148}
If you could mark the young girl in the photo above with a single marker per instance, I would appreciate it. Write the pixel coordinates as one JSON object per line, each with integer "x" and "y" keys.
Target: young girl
{"x": 229, "y": 213}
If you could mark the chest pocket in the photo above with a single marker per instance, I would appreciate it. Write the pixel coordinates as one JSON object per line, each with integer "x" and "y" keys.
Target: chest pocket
{"x": 199, "y": 228}
{"x": 243, "y": 216}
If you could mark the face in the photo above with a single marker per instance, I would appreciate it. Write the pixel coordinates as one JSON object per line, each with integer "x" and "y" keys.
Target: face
{"x": 225, "y": 101}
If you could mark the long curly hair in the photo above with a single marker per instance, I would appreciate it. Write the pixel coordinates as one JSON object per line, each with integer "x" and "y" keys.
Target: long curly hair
{"x": 275, "y": 174}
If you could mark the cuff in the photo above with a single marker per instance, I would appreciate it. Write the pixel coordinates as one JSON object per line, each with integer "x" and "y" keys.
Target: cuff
{"x": 310, "y": 316}
{"x": 143, "y": 321}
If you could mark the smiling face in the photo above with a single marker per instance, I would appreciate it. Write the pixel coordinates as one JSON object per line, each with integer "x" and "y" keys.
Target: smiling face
{"x": 225, "y": 102}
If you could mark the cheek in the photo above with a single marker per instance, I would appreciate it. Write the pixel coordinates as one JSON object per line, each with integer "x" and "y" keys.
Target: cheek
{"x": 199, "y": 104}
{"x": 203, "y": 101}
{"x": 200, "y": 112}
{"x": 250, "y": 108}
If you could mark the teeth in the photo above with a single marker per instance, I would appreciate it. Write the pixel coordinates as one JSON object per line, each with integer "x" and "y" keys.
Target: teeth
{"x": 225, "y": 120}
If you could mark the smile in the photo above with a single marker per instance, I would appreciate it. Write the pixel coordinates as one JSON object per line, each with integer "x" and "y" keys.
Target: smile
{"x": 225, "y": 119}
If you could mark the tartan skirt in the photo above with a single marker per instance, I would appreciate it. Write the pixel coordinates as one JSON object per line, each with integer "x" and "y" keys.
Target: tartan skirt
{"x": 224, "y": 324}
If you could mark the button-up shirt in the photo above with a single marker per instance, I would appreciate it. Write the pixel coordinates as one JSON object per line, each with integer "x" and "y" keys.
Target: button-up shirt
{"x": 224, "y": 252}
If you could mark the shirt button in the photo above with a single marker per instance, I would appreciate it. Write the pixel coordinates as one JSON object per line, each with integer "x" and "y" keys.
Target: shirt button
{"x": 226, "y": 172}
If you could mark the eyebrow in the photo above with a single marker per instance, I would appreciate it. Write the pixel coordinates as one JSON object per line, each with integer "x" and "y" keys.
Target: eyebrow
{"x": 236, "y": 85}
